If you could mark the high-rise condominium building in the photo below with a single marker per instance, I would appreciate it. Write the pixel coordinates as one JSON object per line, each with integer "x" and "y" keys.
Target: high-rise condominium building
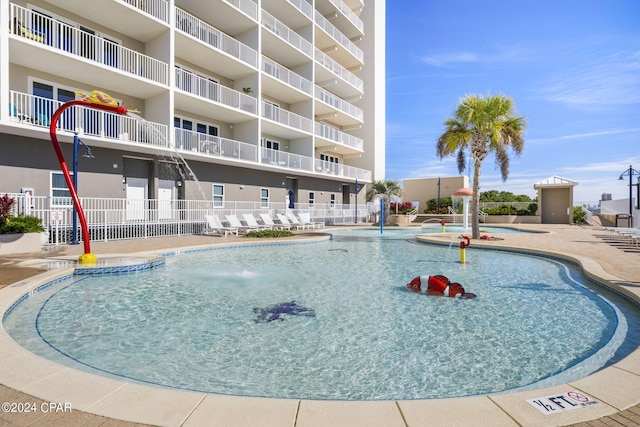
{"x": 236, "y": 100}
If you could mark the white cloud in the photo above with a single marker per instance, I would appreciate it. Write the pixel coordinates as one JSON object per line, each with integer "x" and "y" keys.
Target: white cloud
{"x": 445, "y": 59}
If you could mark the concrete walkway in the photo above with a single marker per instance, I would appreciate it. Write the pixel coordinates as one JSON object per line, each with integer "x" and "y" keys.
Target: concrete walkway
{"x": 602, "y": 255}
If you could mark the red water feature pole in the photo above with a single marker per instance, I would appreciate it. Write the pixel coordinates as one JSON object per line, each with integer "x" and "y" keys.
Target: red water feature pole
{"x": 87, "y": 257}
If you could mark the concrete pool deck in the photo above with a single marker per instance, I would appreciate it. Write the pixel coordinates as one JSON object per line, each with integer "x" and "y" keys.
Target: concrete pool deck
{"x": 96, "y": 401}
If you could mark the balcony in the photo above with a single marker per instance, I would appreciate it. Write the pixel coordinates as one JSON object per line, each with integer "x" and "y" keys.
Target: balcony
{"x": 42, "y": 43}
{"x": 213, "y": 98}
{"x": 233, "y": 17}
{"x": 348, "y": 21}
{"x": 285, "y": 123}
{"x": 331, "y": 41}
{"x": 142, "y": 20}
{"x": 36, "y": 111}
{"x": 340, "y": 142}
{"x": 214, "y": 146}
{"x": 292, "y": 13}
{"x": 284, "y": 84}
{"x": 284, "y": 45}
{"x": 346, "y": 85}
{"x": 336, "y": 110}
{"x": 196, "y": 40}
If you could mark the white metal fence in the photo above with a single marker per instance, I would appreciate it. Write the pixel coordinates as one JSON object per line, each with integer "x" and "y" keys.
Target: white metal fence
{"x": 118, "y": 219}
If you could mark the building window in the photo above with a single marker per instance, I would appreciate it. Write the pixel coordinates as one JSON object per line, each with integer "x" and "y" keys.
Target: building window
{"x": 333, "y": 200}
{"x": 60, "y": 194}
{"x": 264, "y": 197}
{"x": 218, "y": 195}
{"x": 312, "y": 199}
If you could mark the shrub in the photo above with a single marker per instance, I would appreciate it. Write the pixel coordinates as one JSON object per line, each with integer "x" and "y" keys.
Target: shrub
{"x": 21, "y": 224}
{"x": 402, "y": 208}
{"x": 579, "y": 215}
{"x": 5, "y": 208}
{"x": 269, "y": 233}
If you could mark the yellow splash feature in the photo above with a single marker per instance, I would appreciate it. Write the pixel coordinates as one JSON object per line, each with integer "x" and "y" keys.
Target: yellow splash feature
{"x": 87, "y": 259}
{"x": 100, "y": 98}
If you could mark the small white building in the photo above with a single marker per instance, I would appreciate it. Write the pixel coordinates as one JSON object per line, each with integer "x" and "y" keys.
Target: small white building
{"x": 555, "y": 200}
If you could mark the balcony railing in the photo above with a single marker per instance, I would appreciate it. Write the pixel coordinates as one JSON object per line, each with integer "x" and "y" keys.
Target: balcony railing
{"x": 215, "y": 146}
{"x": 303, "y": 6}
{"x": 338, "y": 70}
{"x": 285, "y": 75}
{"x": 339, "y": 37}
{"x": 287, "y": 118}
{"x": 286, "y": 34}
{"x": 43, "y": 29}
{"x": 350, "y": 14}
{"x": 247, "y": 6}
{"x": 338, "y": 103}
{"x": 215, "y": 92}
{"x": 156, "y": 8}
{"x": 333, "y": 134}
{"x": 342, "y": 170}
{"x": 215, "y": 38}
{"x": 37, "y": 111}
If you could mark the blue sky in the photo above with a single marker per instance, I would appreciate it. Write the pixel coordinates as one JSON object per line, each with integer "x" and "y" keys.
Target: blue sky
{"x": 572, "y": 68}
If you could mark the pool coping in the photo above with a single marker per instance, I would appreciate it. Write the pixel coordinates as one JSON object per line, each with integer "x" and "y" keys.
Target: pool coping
{"x": 615, "y": 387}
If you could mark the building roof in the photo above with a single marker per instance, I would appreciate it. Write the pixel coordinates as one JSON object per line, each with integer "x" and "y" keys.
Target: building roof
{"x": 555, "y": 181}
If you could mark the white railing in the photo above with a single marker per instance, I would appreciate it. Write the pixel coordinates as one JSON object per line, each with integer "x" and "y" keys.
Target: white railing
{"x": 286, "y": 34}
{"x": 339, "y": 169}
{"x": 37, "y": 111}
{"x": 214, "y": 146}
{"x": 285, "y": 75}
{"x": 215, "y": 38}
{"x": 348, "y": 13}
{"x": 303, "y": 6}
{"x": 214, "y": 91}
{"x": 335, "y": 135}
{"x": 338, "y": 36}
{"x": 43, "y": 29}
{"x": 118, "y": 219}
{"x": 156, "y": 8}
{"x": 337, "y": 69}
{"x": 285, "y": 117}
{"x": 246, "y": 6}
{"x": 285, "y": 159}
{"x": 338, "y": 103}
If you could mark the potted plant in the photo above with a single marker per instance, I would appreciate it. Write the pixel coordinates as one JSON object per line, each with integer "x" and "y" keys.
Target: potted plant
{"x": 18, "y": 234}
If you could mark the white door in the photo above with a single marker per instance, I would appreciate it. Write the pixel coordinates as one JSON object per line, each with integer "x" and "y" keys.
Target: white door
{"x": 165, "y": 199}
{"x": 136, "y": 195}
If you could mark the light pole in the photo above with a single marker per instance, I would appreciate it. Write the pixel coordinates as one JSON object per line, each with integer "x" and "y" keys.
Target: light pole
{"x": 630, "y": 172}
{"x": 76, "y": 145}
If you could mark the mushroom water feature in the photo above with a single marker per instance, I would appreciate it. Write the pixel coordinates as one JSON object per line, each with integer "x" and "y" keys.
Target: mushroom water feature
{"x": 98, "y": 100}
{"x": 465, "y": 194}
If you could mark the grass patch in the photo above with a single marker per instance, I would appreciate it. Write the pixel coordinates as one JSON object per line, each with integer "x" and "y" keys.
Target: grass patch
{"x": 269, "y": 233}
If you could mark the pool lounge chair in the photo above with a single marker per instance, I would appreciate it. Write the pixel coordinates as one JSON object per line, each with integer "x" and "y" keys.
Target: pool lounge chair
{"x": 295, "y": 221}
{"x": 214, "y": 226}
{"x": 305, "y": 218}
{"x": 251, "y": 221}
{"x": 269, "y": 221}
{"x": 235, "y": 222}
{"x": 283, "y": 220}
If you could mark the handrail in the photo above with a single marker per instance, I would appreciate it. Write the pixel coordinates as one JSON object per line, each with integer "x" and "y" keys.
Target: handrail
{"x": 69, "y": 39}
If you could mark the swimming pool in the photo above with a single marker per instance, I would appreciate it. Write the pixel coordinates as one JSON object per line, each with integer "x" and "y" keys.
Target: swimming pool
{"x": 192, "y": 325}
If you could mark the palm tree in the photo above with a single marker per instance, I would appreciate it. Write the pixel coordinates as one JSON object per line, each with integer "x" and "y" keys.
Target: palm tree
{"x": 386, "y": 189}
{"x": 482, "y": 125}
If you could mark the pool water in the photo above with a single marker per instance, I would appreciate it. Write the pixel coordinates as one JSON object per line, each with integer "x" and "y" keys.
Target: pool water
{"x": 194, "y": 324}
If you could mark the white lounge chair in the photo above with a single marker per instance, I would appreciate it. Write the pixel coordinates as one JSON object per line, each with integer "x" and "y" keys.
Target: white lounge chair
{"x": 295, "y": 221}
{"x": 251, "y": 221}
{"x": 235, "y": 222}
{"x": 269, "y": 221}
{"x": 305, "y": 218}
{"x": 214, "y": 226}
{"x": 283, "y": 220}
